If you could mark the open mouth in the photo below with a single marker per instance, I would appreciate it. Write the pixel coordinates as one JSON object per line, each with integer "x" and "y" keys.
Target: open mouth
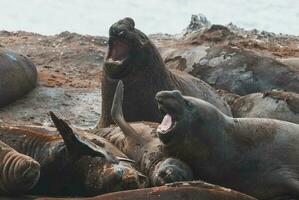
{"x": 168, "y": 123}
{"x": 118, "y": 52}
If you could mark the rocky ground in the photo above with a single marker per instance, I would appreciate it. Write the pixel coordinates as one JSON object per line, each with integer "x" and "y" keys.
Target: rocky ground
{"x": 70, "y": 65}
{"x": 69, "y": 69}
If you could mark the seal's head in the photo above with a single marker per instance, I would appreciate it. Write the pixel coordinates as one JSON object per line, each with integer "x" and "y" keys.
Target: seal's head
{"x": 19, "y": 173}
{"x": 126, "y": 46}
{"x": 183, "y": 115}
{"x": 177, "y": 113}
{"x": 99, "y": 176}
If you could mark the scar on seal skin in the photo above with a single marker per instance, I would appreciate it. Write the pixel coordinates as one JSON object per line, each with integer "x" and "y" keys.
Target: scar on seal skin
{"x": 193, "y": 190}
{"x": 255, "y": 156}
{"x": 18, "y": 173}
{"x": 135, "y": 60}
{"x": 74, "y": 163}
{"x": 140, "y": 142}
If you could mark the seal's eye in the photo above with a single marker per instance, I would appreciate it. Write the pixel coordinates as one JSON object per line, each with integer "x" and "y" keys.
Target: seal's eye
{"x": 189, "y": 104}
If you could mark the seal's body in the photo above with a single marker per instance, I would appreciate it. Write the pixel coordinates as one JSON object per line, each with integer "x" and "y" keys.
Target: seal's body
{"x": 73, "y": 164}
{"x": 18, "y": 172}
{"x": 192, "y": 190}
{"x": 18, "y": 76}
{"x": 135, "y": 60}
{"x": 255, "y": 156}
{"x": 139, "y": 142}
{"x": 279, "y": 105}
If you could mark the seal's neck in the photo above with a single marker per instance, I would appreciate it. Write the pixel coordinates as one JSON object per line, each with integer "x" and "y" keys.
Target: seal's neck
{"x": 151, "y": 70}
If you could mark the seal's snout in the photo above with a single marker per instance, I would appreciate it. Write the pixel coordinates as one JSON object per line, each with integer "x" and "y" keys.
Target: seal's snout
{"x": 30, "y": 173}
{"x": 170, "y": 106}
{"x": 132, "y": 179}
{"x": 25, "y": 174}
{"x": 119, "y": 28}
{"x": 162, "y": 95}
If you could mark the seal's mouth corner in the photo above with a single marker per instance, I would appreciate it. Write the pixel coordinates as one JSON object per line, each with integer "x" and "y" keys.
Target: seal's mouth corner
{"x": 118, "y": 51}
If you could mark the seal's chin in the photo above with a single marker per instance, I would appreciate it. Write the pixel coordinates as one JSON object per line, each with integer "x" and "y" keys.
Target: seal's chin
{"x": 118, "y": 54}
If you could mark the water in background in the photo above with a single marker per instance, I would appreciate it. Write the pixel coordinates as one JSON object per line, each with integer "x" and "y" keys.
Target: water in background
{"x": 152, "y": 16}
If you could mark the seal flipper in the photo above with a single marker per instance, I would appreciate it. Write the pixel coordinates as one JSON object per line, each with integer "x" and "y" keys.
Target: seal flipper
{"x": 117, "y": 113}
{"x": 78, "y": 146}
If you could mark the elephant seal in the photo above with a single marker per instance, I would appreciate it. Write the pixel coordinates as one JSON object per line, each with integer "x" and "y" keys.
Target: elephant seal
{"x": 193, "y": 190}
{"x": 135, "y": 60}
{"x": 255, "y": 156}
{"x": 73, "y": 163}
{"x": 272, "y": 104}
{"x": 292, "y": 62}
{"x": 244, "y": 72}
{"x": 18, "y": 76}
{"x": 18, "y": 172}
{"x": 140, "y": 143}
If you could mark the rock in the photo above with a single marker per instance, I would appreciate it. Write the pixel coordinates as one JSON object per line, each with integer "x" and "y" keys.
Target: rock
{"x": 198, "y": 22}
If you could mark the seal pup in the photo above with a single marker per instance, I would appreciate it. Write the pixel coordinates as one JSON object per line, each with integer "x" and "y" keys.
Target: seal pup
{"x": 255, "y": 156}
{"x": 18, "y": 76}
{"x": 135, "y": 60}
{"x": 18, "y": 173}
{"x": 140, "y": 143}
{"x": 73, "y": 163}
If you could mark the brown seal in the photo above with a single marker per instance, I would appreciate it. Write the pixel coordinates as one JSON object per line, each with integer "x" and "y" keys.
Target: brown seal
{"x": 73, "y": 163}
{"x": 273, "y": 104}
{"x": 255, "y": 156}
{"x": 244, "y": 72}
{"x": 139, "y": 142}
{"x": 18, "y": 173}
{"x": 18, "y": 76}
{"x": 135, "y": 60}
{"x": 193, "y": 190}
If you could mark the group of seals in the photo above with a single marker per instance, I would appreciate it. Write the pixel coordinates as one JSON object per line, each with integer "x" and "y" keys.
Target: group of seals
{"x": 255, "y": 156}
{"x": 73, "y": 160}
{"x": 139, "y": 142}
{"x": 135, "y": 60}
{"x": 197, "y": 138}
{"x": 18, "y": 76}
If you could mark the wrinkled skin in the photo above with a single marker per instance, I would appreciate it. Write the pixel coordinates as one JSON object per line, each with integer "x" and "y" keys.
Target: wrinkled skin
{"x": 139, "y": 142}
{"x": 255, "y": 156}
{"x": 18, "y": 76}
{"x": 64, "y": 172}
{"x": 148, "y": 153}
{"x": 195, "y": 190}
{"x": 274, "y": 104}
{"x": 18, "y": 172}
{"x": 135, "y": 60}
{"x": 243, "y": 72}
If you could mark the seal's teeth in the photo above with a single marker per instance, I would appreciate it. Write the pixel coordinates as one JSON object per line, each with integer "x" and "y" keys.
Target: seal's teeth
{"x": 166, "y": 124}
{"x": 116, "y": 62}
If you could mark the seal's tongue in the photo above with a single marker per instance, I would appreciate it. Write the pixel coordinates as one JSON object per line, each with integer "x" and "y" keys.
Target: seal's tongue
{"x": 119, "y": 50}
{"x": 166, "y": 123}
